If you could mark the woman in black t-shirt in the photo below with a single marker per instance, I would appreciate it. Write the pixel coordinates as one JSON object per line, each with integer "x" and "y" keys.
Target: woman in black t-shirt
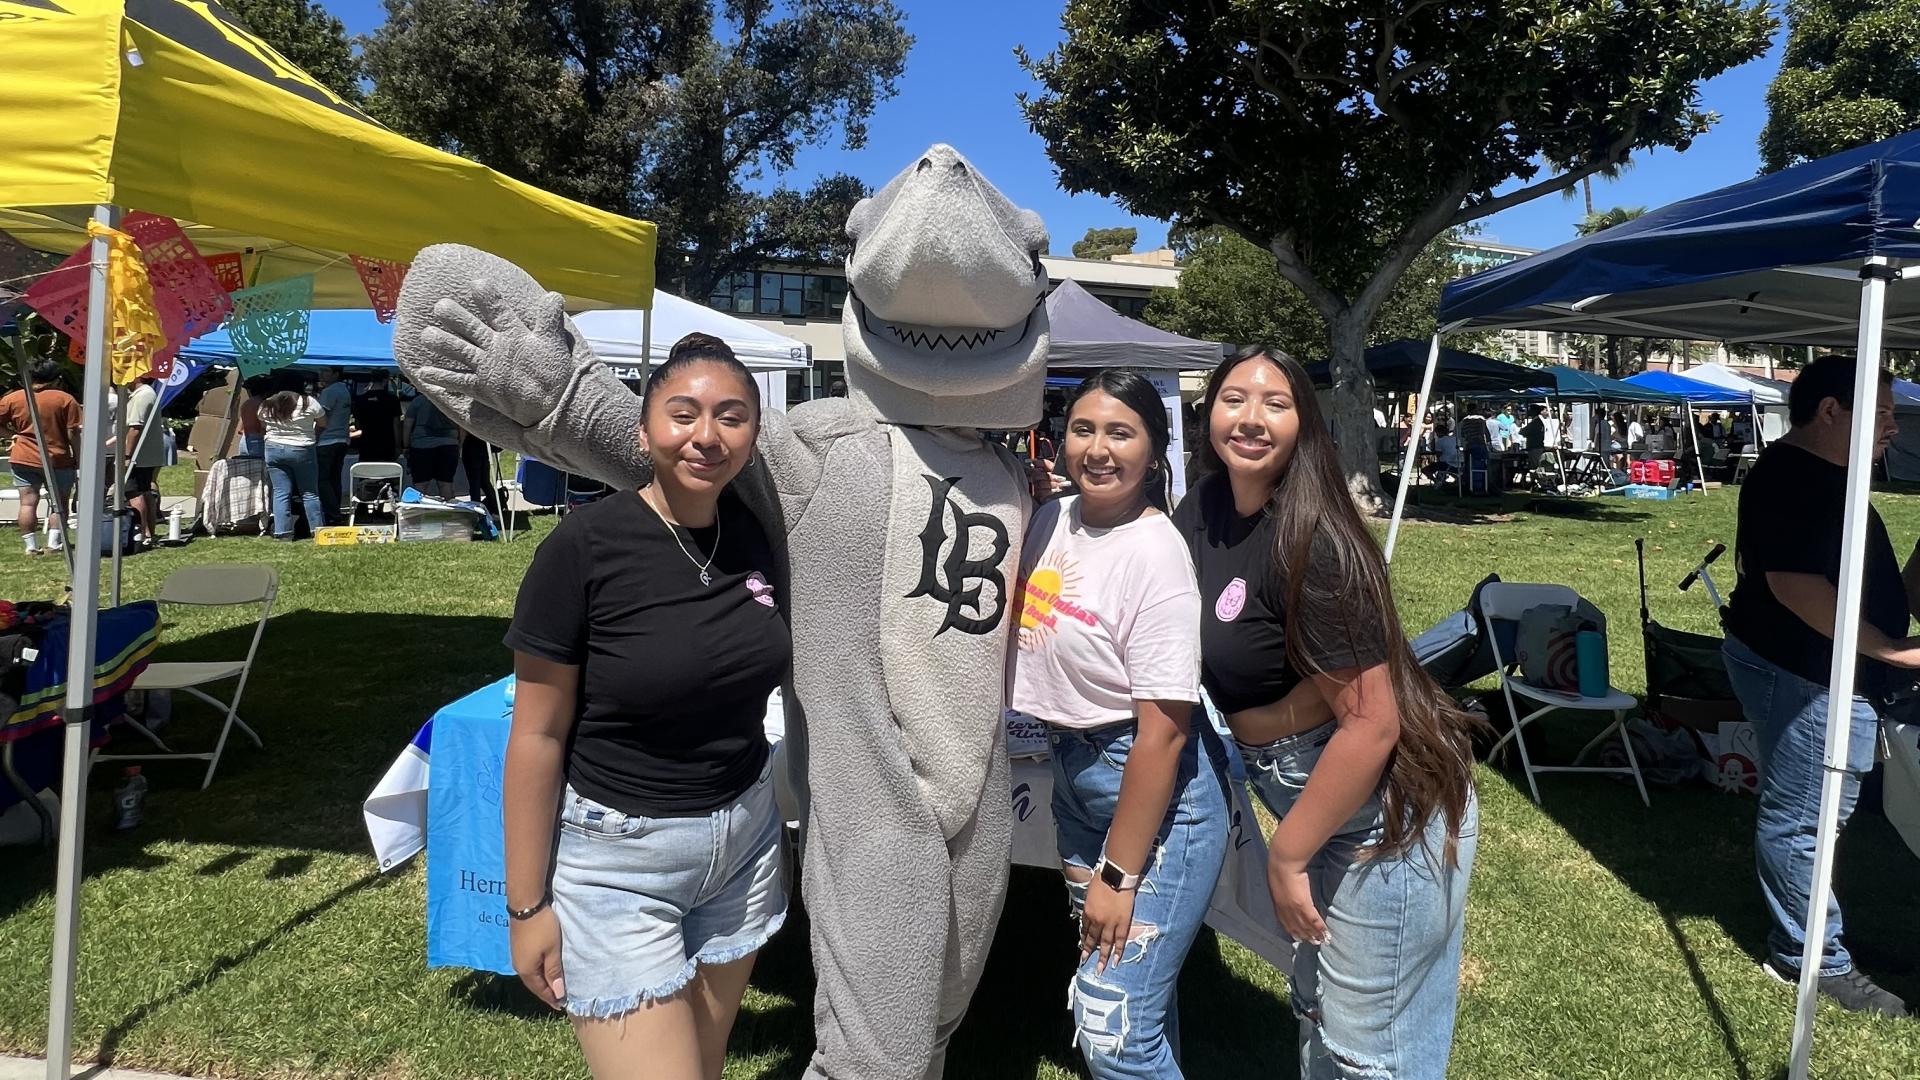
{"x": 647, "y": 639}
{"x": 1366, "y": 762}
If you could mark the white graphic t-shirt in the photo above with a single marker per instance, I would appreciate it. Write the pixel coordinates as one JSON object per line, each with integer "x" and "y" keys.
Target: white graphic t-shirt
{"x": 1107, "y": 617}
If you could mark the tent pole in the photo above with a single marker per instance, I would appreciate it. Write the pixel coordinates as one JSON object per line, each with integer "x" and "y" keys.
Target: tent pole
{"x": 1846, "y": 643}
{"x": 646, "y": 344}
{"x": 77, "y": 708}
{"x": 1699, "y": 463}
{"x": 123, "y": 454}
{"x": 1413, "y": 442}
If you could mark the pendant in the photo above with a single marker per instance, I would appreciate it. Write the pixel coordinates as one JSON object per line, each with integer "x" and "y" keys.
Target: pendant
{"x": 706, "y": 578}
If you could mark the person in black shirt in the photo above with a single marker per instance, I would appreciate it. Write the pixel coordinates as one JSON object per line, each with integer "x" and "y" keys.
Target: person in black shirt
{"x": 1367, "y": 764}
{"x": 647, "y": 639}
{"x": 1779, "y": 648}
{"x": 376, "y": 415}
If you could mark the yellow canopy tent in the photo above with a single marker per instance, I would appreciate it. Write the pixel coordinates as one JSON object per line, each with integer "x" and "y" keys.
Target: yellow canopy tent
{"x": 175, "y": 108}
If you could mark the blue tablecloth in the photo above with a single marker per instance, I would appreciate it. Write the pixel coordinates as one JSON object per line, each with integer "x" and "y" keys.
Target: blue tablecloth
{"x": 466, "y": 861}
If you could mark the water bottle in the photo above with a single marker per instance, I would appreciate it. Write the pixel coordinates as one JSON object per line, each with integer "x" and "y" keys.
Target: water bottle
{"x": 1590, "y": 649}
{"x": 128, "y": 799}
{"x": 173, "y": 526}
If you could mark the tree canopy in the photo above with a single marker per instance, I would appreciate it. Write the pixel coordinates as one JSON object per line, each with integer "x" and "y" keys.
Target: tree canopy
{"x": 672, "y": 110}
{"x": 1105, "y": 243}
{"x": 1848, "y": 78}
{"x": 304, "y": 33}
{"x": 1231, "y": 291}
{"x": 1344, "y": 137}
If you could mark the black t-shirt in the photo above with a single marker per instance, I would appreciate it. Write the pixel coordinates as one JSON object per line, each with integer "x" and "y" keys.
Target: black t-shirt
{"x": 1792, "y": 513}
{"x": 674, "y": 674}
{"x": 1243, "y": 605}
{"x": 1535, "y": 432}
{"x": 374, "y": 413}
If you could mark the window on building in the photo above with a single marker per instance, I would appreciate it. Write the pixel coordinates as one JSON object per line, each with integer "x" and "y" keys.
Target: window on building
{"x": 1133, "y": 307}
{"x": 770, "y": 292}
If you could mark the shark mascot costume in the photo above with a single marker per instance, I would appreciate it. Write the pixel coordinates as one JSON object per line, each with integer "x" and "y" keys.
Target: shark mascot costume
{"x": 903, "y": 529}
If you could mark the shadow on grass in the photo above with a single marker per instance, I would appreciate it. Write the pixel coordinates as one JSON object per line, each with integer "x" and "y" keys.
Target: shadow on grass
{"x": 335, "y": 697}
{"x": 1691, "y": 855}
{"x": 110, "y": 1042}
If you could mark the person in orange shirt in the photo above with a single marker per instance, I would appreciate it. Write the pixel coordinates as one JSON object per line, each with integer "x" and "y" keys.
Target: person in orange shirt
{"x": 35, "y": 465}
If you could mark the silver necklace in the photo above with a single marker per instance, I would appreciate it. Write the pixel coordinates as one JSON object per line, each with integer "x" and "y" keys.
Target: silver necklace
{"x": 706, "y": 574}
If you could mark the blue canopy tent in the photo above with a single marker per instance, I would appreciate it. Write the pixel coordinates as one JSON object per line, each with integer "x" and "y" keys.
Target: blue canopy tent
{"x": 1397, "y": 365}
{"x": 1704, "y": 395}
{"x": 1810, "y": 256}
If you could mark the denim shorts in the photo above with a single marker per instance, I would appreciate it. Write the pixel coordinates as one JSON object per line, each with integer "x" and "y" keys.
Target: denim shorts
{"x": 644, "y": 901}
{"x": 27, "y": 477}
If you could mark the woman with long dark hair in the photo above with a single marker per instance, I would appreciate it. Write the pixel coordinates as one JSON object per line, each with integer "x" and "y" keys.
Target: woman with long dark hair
{"x": 1109, "y": 658}
{"x": 642, "y": 839}
{"x": 290, "y": 422}
{"x": 1366, "y": 762}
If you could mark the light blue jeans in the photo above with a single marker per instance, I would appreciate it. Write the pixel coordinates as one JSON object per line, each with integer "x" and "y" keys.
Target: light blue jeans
{"x": 291, "y": 469}
{"x": 1126, "y": 1018}
{"x": 1377, "y": 1001}
{"x": 1789, "y": 718}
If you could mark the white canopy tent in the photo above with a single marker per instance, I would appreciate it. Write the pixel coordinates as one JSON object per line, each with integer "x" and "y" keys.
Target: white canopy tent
{"x": 1808, "y": 256}
{"x": 1769, "y": 395}
{"x": 632, "y": 341}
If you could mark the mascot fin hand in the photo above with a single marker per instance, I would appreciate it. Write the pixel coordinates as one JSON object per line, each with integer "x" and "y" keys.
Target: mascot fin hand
{"x": 497, "y": 353}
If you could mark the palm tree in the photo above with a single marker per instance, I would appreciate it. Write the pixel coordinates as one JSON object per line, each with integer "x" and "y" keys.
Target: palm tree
{"x": 1598, "y": 221}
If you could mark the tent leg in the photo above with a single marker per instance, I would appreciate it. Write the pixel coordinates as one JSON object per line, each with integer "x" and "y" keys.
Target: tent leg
{"x": 77, "y": 709}
{"x": 646, "y": 344}
{"x": 1699, "y": 463}
{"x": 1846, "y": 625}
{"x": 1413, "y": 443}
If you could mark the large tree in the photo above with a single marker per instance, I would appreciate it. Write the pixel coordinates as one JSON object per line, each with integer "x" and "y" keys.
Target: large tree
{"x": 1230, "y": 290}
{"x": 304, "y": 33}
{"x": 672, "y": 110}
{"x": 1106, "y": 243}
{"x": 1848, "y": 78}
{"x": 1344, "y": 137}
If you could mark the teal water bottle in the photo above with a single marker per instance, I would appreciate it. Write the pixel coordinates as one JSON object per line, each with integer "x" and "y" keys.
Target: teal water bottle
{"x": 1590, "y": 650}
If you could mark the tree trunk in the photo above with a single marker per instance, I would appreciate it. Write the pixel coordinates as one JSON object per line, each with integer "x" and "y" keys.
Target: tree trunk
{"x": 1586, "y": 190}
{"x": 1350, "y": 403}
{"x": 1613, "y": 358}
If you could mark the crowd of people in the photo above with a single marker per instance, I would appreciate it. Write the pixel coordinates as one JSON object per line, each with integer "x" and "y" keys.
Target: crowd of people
{"x": 1464, "y": 441}
{"x": 1263, "y": 586}
{"x": 303, "y": 424}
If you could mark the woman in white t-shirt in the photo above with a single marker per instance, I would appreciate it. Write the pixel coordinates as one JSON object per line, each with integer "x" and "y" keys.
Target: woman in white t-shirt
{"x": 291, "y": 420}
{"x": 1109, "y": 658}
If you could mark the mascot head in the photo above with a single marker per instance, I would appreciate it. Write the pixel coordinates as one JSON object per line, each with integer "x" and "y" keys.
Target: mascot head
{"x": 945, "y": 322}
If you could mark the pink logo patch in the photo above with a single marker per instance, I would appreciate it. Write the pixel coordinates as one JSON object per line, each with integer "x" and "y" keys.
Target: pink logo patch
{"x": 1233, "y": 600}
{"x": 758, "y": 586}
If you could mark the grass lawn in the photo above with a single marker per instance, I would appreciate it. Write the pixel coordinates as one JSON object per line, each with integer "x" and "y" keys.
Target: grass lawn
{"x": 244, "y": 931}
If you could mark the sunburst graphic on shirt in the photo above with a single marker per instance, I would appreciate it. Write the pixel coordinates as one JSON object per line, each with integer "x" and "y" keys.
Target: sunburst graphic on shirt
{"x": 1051, "y": 591}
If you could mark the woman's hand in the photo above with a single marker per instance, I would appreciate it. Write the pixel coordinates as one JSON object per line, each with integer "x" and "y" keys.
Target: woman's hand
{"x": 1293, "y": 901}
{"x": 1105, "y": 923}
{"x": 536, "y": 956}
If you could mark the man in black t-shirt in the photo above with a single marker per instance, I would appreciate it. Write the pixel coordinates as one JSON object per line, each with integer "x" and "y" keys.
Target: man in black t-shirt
{"x": 1780, "y": 626}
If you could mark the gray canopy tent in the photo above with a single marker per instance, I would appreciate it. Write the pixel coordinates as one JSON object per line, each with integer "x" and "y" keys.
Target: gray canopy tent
{"x": 1807, "y": 256}
{"x": 1086, "y": 334}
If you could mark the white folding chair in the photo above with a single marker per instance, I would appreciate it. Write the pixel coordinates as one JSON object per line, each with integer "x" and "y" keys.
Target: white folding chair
{"x": 1506, "y": 602}
{"x": 210, "y": 586}
{"x": 374, "y": 472}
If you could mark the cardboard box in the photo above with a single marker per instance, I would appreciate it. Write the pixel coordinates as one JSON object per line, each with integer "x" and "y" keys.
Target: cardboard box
{"x": 216, "y": 401}
{"x": 205, "y": 440}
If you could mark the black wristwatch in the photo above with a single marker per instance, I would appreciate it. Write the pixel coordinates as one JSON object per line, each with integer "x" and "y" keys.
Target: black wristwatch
{"x": 523, "y": 914}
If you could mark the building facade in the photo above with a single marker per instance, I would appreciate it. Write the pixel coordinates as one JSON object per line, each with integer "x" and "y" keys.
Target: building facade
{"x": 805, "y": 302}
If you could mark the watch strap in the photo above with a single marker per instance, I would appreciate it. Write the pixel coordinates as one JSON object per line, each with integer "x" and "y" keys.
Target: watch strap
{"x": 1114, "y": 877}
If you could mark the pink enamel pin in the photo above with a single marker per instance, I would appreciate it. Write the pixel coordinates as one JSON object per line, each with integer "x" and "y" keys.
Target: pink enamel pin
{"x": 758, "y": 586}
{"x": 1233, "y": 600}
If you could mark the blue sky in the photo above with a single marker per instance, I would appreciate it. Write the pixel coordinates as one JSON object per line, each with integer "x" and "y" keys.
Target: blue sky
{"x": 961, "y": 79}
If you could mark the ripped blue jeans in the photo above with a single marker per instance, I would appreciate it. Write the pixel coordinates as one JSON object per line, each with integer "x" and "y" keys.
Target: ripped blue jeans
{"x": 1376, "y": 1002}
{"x": 1126, "y": 1018}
